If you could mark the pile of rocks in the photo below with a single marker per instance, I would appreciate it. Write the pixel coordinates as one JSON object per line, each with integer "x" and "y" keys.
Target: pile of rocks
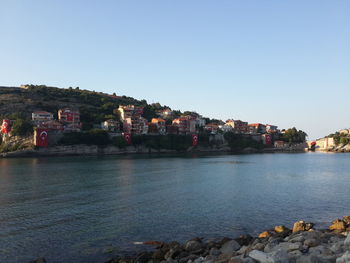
{"x": 301, "y": 244}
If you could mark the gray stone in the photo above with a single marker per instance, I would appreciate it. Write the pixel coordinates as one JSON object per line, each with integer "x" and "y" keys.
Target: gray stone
{"x": 143, "y": 257}
{"x": 295, "y": 253}
{"x": 321, "y": 249}
{"x": 223, "y": 258}
{"x": 258, "y": 246}
{"x": 236, "y": 259}
{"x": 242, "y": 250}
{"x": 337, "y": 248}
{"x": 214, "y": 251}
{"x": 347, "y": 242}
{"x": 285, "y": 246}
{"x": 345, "y": 258}
{"x": 307, "y": 259}
{"x": 249, "y": 260}
{"x": 210, "y": 259}
{"x": 312, "y": 242}
{"x": 188, "y": 258}
{"x": 279, "y": 256}
{"x": 298, "y": 238}
{"x": 229, "y": 247}
{"x": 261, "y": 257}
{"x": 199, "y": 260}
{"x": 193, "y": 245}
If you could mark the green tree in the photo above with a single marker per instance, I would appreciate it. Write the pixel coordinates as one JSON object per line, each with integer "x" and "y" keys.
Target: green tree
{"x": 22, "y": 127}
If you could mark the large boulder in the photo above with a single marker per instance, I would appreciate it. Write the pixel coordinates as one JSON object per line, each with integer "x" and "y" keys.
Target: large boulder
{"x": 346, "y": 219}
{"x": 345, "y": 258}
{"x": 308, "y": 259}
{"x": 347, "y": 242}
{"x": 265, "y": 234}
{"x": 281, "y": 229}
{"x": 302, "y": 226}
{"x": 230, "y": 247}
{"x": 279, "y": 256}
{"x": 193, "y": 246}
{"x": 338, "y": 225}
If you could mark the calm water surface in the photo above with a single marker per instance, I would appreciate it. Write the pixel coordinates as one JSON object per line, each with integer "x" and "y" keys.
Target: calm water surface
{"x": 88, "y": 209}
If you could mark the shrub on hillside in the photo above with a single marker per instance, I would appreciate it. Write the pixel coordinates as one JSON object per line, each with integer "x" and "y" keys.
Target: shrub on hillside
{"x": 92, "y": 137}
{"x": 22, "y": 127}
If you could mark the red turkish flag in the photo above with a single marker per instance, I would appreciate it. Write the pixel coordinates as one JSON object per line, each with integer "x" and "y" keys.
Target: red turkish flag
{"x": 5, "y": 127}
{"x": 127, "y": 137}
{"x": 194, "y": 139}
{"x": 42, "y": 138}
{"x": 268, "y": 139}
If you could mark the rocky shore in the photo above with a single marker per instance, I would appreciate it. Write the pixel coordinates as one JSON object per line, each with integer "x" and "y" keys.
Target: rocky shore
{"x": 300, "y": 244}
{"x": 94, "y": 150}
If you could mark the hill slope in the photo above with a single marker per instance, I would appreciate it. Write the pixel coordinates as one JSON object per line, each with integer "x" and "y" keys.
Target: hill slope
{"x": 94, "y": 106}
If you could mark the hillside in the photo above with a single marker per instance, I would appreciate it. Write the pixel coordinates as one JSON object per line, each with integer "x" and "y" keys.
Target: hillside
{"x": 94, "y": 106}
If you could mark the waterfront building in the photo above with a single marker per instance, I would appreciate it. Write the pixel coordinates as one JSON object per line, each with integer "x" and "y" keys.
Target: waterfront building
{"x": 238, "y": 126}
{"x": 132, "y": 119}
{"x": 38, "y": 116}
{"x": 166, "y": 113}
{"x": 226, "y": 128}
{"x": 172, "y": 129}
{"x": 257, "y": 128}
{"x": 111, "y": 125}
{"x": 271, "y": 128}
{"x": 280, "y": 144}
{"x": 130, "y": 111}
{"x": 51, "y": 125}
{"x": 211, "y": 128}
{"x": 185, "y": 124}
{"x": 160, "y": 124}
{"x": 70, "y": 118}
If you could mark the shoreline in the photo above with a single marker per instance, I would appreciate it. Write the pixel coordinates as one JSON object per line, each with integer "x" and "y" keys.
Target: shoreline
{"x": 94, "y": 150}
{"x": 302, "y": 243}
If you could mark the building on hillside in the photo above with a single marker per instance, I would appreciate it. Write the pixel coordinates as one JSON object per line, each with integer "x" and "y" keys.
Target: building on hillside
{"x": 127, "y": 125}
{"x": 257, "y": 128}
{"x": 238, "y": 126}
{"x": 130, "y": 111}
{"x": 70, "y": 118}
{"x": 160, "y": 124}
{"x": 132, "y": 119}
{"x": 143, "y": 126}
{"x": 185, "y": 124}
{"x": 226, "y": 128}
{"x": 280, "y": 144}
{"x": 152, "y": 128}
{"x": 111, "y": 125}
{"x": 172, "y": 129}
{"x": 325, "y": 143}
{"x": 271, "y": 128}
{"x": 52, "y": 125}
{"x": 38, "y": 116}
{"x": 211, "y": 128}
{"x": 165, "y": 113}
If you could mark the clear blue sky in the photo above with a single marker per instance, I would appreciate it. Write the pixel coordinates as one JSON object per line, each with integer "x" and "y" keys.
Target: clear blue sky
{"x": 280, "y": 62}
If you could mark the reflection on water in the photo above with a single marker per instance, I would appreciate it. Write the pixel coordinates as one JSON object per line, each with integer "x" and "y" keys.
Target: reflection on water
{"x": 77, "y": 208}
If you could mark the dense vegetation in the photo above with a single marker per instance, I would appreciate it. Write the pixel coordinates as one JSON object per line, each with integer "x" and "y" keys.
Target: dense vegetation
{"x": 101, "y": 138}
{"x": 94, "y": 107}
{"x": 294, "y": 136}
{"x": 238, "y": 142}
{"x": 340, "y": 138}
{"x": 91, "y": 137}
